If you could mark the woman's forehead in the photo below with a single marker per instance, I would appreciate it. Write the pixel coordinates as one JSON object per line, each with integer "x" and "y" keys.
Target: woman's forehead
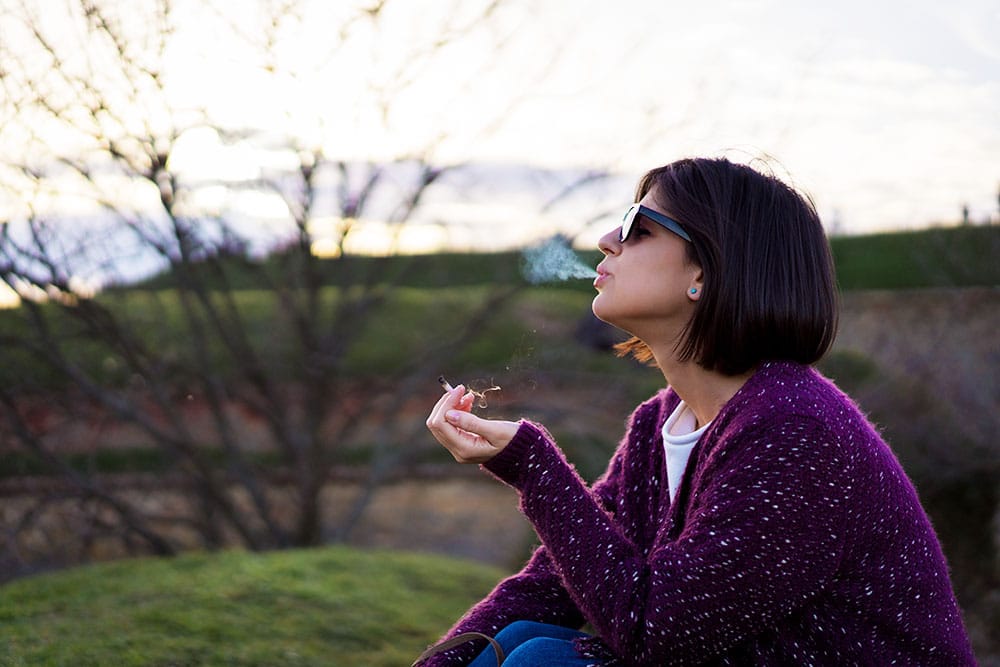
{"x": 653, "y": 199}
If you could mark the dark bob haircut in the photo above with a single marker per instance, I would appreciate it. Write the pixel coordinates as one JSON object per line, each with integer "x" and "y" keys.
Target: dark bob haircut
{"x": 769, "y": 287}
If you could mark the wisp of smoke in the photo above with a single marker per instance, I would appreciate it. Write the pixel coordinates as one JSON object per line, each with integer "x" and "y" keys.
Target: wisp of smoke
{"x": 554, "y": 260}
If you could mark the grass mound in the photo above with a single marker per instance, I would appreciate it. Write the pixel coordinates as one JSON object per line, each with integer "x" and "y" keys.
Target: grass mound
{"x": 330, "y": 606}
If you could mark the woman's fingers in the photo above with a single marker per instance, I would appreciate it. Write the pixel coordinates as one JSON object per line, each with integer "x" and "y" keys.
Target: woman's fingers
{"x": 448, "y": 401}
{"x": 465, "y": 403}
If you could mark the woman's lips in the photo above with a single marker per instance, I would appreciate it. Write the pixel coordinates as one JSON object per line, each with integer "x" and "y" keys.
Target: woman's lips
{"x": 601, "y": 278}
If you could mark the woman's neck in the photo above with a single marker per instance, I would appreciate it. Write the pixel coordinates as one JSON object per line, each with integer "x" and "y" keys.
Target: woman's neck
{"x": 704, "y": 391}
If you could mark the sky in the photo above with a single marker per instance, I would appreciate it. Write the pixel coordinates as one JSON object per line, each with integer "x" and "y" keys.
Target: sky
{"x": 887, "y": 113}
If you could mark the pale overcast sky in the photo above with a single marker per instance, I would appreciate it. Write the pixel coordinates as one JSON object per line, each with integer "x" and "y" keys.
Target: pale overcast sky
{"x": 888, "y": 112}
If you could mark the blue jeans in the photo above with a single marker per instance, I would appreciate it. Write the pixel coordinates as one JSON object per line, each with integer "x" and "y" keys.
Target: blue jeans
{"x": 531, "y": 644}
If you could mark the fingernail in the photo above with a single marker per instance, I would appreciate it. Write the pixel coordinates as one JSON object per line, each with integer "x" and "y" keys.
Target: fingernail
{"x": 452, "y": 415}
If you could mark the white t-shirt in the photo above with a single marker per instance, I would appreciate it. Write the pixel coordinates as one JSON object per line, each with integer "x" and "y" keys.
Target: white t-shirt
{"x": 679, "y": 438}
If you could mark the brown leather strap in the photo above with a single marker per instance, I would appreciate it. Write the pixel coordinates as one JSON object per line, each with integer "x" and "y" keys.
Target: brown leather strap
{"x": 456, "y": 641}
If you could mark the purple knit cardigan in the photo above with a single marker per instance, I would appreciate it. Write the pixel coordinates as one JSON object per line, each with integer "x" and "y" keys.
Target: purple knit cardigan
{"x": 795, "y": 538}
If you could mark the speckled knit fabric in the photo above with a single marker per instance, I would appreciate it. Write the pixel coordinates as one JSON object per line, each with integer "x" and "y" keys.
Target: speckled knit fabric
{"x": 795, "y": 539}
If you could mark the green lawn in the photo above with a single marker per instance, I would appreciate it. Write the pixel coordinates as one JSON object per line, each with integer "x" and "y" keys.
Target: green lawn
{"x": 330, "y": 606}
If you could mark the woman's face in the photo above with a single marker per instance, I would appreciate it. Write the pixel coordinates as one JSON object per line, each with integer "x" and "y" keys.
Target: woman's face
{"x": 644, "y": 285}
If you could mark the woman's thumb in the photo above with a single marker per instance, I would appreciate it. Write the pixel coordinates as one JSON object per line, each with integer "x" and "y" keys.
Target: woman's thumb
{"x": 463, "y": 420}
{"x": 497, "y": 433}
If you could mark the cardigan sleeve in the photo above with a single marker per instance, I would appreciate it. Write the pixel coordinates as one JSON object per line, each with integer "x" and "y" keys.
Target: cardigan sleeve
{"x": 535, "y": 593}
{"x": 763, "y": 534}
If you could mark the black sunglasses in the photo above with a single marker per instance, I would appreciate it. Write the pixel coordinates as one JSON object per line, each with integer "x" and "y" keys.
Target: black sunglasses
{"x": 635, "y": 210}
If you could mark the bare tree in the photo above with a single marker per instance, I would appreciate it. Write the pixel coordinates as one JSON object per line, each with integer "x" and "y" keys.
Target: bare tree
{"x": 244, "y": 320}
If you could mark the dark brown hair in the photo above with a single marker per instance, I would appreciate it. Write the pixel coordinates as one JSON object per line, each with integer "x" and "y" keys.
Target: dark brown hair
{"x": 769, "y": 287}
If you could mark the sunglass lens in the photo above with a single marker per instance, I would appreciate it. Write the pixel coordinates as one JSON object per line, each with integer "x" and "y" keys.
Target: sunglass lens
{"x": 627, "y": 221}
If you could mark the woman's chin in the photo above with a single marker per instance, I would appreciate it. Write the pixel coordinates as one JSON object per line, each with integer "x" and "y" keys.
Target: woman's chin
{"x": 597, "y": 309}
{"x": 602, "y": 312}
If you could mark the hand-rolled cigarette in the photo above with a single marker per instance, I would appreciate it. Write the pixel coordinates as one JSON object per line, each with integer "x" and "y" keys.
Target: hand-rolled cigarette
{"x": 444, "y": 383}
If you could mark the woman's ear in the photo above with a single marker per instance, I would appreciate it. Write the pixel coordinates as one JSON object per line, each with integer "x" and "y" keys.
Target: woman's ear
{"x": 696, "y": 286}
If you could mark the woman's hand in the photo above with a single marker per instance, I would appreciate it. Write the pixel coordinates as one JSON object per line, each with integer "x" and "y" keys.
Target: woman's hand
{"x": 469, "y": 438}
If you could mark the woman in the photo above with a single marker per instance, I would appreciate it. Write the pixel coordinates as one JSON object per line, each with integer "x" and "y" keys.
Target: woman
{"x": 751, "y": 514}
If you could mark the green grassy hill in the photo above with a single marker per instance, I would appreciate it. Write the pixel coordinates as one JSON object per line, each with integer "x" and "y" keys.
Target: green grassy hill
{"x": 331, "y": 606}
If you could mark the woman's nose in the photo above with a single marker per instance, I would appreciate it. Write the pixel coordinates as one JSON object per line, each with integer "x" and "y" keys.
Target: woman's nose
{"x": 609, "y": 243}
